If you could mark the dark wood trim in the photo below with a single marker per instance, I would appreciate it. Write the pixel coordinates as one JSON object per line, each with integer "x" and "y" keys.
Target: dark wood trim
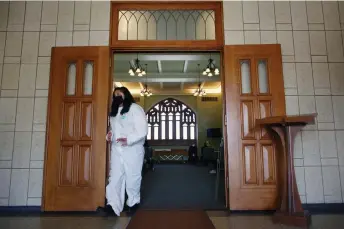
{"x": 224, "y": 126}
{"x": 216, "y": 44}
{"x": 47, "y": 127}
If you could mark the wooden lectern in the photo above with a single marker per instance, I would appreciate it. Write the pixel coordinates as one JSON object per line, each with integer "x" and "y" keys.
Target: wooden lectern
{"x": 289, "y": 210}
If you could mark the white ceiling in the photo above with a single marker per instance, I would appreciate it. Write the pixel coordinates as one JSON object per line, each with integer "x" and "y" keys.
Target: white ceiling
{"x": 171, "y": 73}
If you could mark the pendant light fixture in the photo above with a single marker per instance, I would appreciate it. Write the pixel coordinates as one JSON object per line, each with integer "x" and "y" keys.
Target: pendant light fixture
{"x": 136, "y": 68}
{"x": 199, "y": 91}
{"x": 145, "y": 91}
{"x": 211, "y": 68}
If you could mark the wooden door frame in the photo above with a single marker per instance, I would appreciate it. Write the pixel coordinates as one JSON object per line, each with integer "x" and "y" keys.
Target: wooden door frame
{"x": 217, "y": 45}
{"x": 134, "y": 49}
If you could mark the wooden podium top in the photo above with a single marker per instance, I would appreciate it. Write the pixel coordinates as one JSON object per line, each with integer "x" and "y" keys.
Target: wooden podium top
{"x": 290, "y": 120}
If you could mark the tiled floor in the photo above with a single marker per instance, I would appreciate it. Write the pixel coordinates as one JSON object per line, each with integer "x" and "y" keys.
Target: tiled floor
{"x": 231, "y": 222}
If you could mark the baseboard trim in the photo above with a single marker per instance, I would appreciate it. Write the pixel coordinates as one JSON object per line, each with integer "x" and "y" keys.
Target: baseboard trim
{"x": 37, "y": 211}
{"x": 251, "y": 212}
{"x": 316, "y": 209}
{"x": 28, "y": 209}
{"x": 313, "y": 209}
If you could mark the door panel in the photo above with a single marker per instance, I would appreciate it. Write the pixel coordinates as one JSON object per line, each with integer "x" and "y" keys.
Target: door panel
{"x": 75, "y": 161}
{"x": 254, "y": 89}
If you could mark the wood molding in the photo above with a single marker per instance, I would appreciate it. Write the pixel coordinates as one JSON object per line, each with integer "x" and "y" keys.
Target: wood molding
{"x": 164, "y": 45}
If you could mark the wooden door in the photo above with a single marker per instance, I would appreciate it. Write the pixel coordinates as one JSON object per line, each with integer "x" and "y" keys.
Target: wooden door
{"x": 254, "y": 89}
{"x": 75, "y": 159}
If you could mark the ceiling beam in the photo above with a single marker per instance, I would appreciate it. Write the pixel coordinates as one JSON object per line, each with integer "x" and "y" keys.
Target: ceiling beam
{"x": 169, "y": 56}
{"x": 165, "y": 77}
{"x": 185, "y": 66}
{"x": 166, "y": 80}
{"x": 177, "y": 92}
{"x": 159, "y": 66}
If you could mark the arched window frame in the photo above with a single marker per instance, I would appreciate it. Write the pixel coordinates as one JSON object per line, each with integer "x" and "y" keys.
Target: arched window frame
{"x": 173, "y": 113}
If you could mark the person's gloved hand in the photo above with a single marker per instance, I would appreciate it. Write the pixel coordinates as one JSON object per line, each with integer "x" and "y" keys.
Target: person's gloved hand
{"x": 123, "y": 141}
{"x": 109, "y": 136}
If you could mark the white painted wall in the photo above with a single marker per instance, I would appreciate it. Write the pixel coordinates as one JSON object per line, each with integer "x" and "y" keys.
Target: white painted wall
{"x": 312, "y": 44}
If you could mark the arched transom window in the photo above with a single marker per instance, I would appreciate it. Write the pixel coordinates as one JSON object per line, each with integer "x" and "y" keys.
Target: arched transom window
{"x": 171, "y": 120}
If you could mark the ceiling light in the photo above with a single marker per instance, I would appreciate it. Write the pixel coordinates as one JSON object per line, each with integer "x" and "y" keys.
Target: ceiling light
{"x": 136, "y": 68}
{"x": 211, "y": 69}
{"x": 145, "y": 91}
{"x": 199, "y": 91}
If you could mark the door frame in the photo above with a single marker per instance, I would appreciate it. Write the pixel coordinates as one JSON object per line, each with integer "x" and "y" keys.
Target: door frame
{"x": 216, "y": 45}
{"x": 135, "y": 49}
{"x": 153, "y": 46}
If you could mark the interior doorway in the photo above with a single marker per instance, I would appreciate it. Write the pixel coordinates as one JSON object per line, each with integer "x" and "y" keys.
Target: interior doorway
{"x": 251, "y": 86}
{"x": 181, "y": 93}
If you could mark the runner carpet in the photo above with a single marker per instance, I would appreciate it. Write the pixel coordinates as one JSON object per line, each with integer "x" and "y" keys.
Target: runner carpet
{"x": 170, "y": 219}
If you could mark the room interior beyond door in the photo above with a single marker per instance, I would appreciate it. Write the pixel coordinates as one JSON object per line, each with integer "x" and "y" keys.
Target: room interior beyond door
{"x": 75, "y": 159}
{"x": 254, "y": 89}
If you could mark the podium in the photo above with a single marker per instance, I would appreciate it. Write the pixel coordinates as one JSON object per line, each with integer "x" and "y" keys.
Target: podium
{"x": 289, "y": 208}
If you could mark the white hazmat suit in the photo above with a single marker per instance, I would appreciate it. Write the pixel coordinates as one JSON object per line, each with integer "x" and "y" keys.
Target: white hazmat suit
{"x": 126, "y": 161}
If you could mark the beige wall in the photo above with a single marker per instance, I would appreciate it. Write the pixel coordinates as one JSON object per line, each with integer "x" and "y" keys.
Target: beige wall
{"x": 311, "y": 36}
{"x": 312, "y": 46}
{"x": 28, "y": 30}
{"x": 209, "y": 114}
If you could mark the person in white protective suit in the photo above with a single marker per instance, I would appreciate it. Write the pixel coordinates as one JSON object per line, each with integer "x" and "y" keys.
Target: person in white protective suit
{"x": 128, "y": 131}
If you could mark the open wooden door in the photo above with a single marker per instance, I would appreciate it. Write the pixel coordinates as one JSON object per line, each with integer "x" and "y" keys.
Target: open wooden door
{"x": 75, "y": 158}
{"x": 254, "y": 89}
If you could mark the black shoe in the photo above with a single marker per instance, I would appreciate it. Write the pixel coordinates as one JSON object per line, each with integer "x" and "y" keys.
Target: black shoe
{"x": 105, "y": 211}
{"x": 133, "y": 209}
{"x": 126, "y": 208}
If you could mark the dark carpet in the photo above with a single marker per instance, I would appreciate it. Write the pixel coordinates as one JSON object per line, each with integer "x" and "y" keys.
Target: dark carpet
{"x": 181, "y": 186}
{"x": 173, "y": 219}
